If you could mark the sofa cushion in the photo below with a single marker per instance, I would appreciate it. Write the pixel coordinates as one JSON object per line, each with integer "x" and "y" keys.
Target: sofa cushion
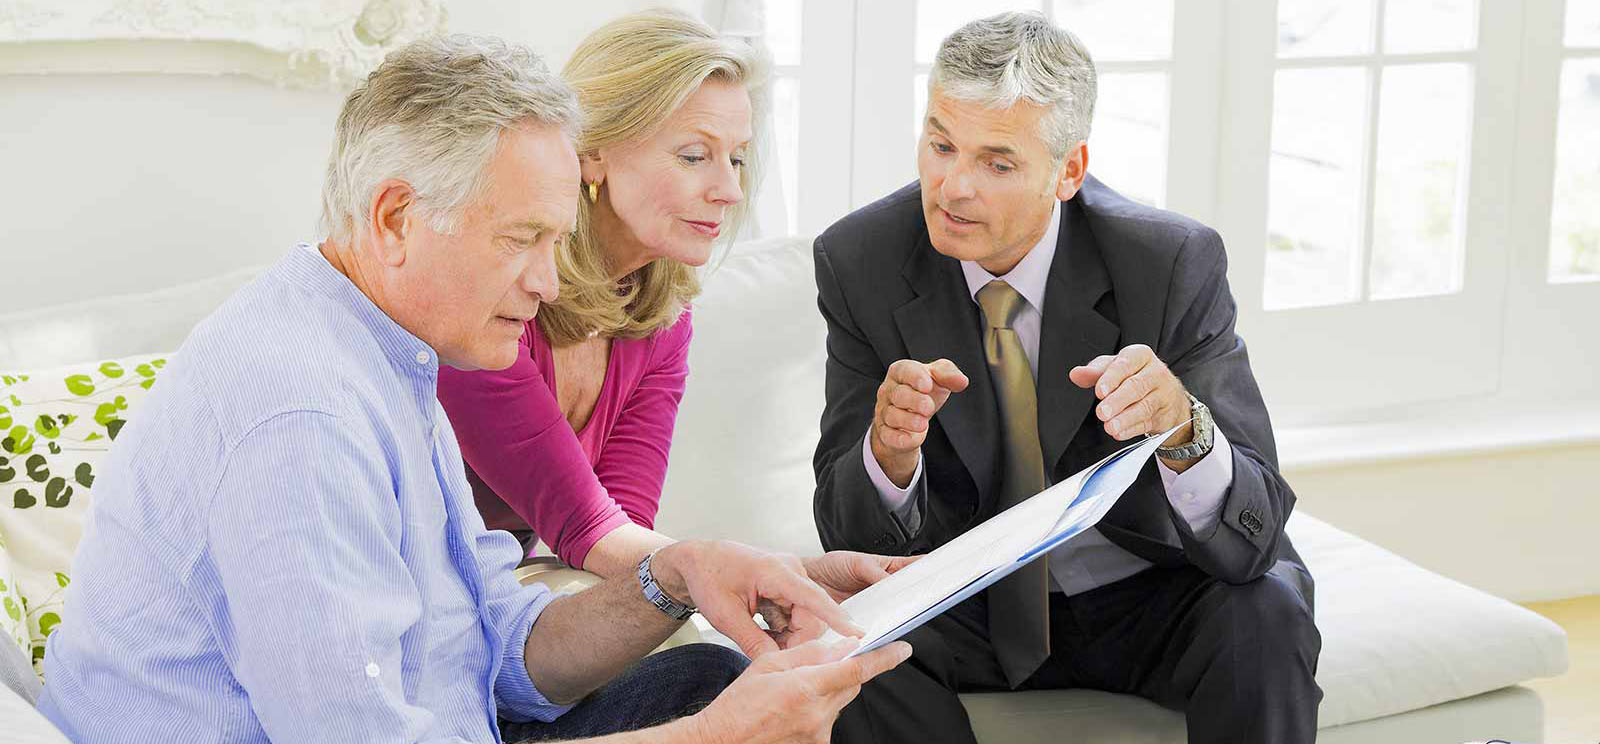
{"x": 1397, "y": 637}
{"x": 17, "y": 674}
{"x": 741, "y": 450}
{"x": 23, "y": 724}
{"x": 55, "y": 428}
{"x": 114, "y": 326}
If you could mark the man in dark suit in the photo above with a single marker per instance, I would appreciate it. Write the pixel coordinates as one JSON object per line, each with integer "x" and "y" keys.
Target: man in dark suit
{"x": 1007, "y": 321}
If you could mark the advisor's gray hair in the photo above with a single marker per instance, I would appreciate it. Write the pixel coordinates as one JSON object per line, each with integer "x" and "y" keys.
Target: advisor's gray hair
{"x": 431, "y": 115}
{"x": 999, "y": 60}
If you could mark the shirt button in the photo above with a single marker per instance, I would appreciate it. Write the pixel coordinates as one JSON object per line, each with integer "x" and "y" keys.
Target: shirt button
{"x": 372, "y": 670}
{"x": 422, "y": 357}
{"x": 1188, "y": 497}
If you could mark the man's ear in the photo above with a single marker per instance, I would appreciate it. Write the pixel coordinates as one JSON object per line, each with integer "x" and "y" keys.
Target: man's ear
{"x": 1074, "y": 168}
{"x": 390, "y": 220}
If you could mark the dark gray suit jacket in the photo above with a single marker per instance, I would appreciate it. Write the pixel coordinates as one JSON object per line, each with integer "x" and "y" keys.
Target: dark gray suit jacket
{"x": 1123, "y": 274}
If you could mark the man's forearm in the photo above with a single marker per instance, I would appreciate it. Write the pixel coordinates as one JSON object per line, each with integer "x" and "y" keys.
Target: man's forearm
{"x": 582, "y": 641}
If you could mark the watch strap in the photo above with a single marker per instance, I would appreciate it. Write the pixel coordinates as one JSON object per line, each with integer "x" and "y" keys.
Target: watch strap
{"x": 652, "y": 591}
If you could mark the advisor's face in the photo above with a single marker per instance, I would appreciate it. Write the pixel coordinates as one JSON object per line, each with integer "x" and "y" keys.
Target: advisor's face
{"x": 989, "y": 182}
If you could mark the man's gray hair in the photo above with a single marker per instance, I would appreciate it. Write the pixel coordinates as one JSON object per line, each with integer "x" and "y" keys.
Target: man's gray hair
{"x": 999, "y": 60}
{"x": 431, "y": 115}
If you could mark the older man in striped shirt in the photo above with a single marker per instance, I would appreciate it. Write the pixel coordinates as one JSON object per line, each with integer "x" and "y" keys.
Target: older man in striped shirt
{"x": 284, "y": 546}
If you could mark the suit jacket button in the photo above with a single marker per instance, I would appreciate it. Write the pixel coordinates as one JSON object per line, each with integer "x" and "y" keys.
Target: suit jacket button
{"x": 1250, "y": 521}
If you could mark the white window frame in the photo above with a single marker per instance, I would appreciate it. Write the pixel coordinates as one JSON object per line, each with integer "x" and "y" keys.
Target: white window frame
{"x": 1508, "y": 334}
{"x": 1355, "y": 359}
{"x": 1552, "y": 339}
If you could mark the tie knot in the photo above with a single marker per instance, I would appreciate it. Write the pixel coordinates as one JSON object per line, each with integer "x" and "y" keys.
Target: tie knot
{"x": 1000, "y": 303}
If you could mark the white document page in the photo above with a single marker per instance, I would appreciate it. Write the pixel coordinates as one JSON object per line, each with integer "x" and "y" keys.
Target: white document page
{"x": 995, "y": 548}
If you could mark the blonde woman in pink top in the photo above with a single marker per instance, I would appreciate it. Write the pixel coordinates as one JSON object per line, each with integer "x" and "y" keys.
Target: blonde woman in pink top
{"x": 570, "y": 443}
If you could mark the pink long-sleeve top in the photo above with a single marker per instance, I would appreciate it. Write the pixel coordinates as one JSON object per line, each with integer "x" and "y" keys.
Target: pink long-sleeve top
{"x": 533, "y": 470}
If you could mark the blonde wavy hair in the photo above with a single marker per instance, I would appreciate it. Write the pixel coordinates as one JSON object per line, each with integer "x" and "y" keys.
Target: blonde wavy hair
{"x": 631, "y": 75}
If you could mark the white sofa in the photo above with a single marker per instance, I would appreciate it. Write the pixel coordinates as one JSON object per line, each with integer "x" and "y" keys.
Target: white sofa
{"x": 1408, "y": 656}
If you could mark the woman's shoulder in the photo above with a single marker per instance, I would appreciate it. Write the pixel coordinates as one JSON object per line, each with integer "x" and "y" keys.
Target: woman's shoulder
{"x": 664, "y": 343}
{"x": 674, "y": 339}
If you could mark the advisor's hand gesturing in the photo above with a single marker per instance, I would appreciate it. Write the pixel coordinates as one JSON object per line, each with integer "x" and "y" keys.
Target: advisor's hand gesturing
{"x": 911, "y": 393}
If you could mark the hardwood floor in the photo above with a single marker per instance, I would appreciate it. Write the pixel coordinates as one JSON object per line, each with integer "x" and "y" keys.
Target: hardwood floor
{"x": 1572, "y": 701}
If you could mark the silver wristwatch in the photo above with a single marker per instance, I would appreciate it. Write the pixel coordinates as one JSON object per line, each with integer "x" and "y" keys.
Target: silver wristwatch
{"x": 657, "y": 596}
{"x": 1204, "y": 435}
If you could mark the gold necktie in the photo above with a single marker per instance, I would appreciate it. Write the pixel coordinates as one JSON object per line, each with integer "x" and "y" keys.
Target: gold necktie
{"x": 1019, "y": 619}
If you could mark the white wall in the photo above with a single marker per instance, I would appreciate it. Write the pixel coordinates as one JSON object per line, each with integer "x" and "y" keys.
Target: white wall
{"x": 1520, "y": 524}
{"x": 553, "y": 29}
{"x": 124, "y": 183}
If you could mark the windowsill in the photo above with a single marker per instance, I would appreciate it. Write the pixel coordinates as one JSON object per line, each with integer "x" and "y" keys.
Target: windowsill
{"x": 1453, "y": 429}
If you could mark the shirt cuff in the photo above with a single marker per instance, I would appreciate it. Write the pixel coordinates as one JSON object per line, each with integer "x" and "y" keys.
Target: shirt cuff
{"x": 1197, "y": 493}
{"x": 899, "y": 501}
{"x": 514, "y": 691}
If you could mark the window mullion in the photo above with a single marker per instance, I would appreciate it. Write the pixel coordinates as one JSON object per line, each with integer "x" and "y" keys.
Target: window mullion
{"x": 1369, "y": 176}
{"x": 827, "y": 83}
{"x": 1369, "y": 181}
{"x": 1195, "y": 111}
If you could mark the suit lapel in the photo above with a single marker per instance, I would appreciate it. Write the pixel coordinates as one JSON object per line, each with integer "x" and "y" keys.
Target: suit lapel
{"x": 942, "y": 322}
{"x": 1073, "y": 332}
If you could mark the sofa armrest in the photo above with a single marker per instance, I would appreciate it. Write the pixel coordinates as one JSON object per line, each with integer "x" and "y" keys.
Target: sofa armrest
{"x": 23, "y": 724}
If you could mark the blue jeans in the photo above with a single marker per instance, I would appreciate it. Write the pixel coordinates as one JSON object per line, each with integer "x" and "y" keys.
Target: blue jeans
{"x": 672, "y": 684}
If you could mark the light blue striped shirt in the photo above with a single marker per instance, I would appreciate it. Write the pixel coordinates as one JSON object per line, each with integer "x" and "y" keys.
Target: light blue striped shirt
{"x": 284, "y": 545}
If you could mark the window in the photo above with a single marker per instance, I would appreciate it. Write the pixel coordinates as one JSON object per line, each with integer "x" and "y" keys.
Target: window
{"x": 845, "y": 69}
{"x": 1407, "y": 188}
{"x": 1364, "y": 171}
{"x": 1575, "y": 208}
{"x": 1371, "y": 107}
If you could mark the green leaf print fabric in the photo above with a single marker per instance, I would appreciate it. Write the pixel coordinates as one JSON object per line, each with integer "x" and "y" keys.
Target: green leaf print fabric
{"x": 55, "y": 429}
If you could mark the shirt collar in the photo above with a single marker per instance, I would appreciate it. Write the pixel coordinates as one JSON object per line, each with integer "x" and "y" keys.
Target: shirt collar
{"x": 307, "y": 267}
{"x": 1030, "y": 275}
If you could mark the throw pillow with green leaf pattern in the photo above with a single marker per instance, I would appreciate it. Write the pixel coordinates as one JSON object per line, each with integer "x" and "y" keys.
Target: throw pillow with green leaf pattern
{"x": 12, "y": 628}
{"x": 55, "y": 429}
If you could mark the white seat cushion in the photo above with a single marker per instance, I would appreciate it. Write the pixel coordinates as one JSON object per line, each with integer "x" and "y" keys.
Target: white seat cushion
{"x": 1397, "y": 637}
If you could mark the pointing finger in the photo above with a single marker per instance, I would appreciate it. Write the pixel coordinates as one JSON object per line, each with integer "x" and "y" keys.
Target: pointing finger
{"x": 1084, "y": 376}
{"x": 947, "y": 375}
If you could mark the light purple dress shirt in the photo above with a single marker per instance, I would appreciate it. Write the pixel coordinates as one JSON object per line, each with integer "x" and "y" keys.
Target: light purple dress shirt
{"x": 1089, "y": 560}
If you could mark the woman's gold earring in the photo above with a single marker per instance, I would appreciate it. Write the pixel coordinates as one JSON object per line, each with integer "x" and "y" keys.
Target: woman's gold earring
{"x": 594, "y": 191}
